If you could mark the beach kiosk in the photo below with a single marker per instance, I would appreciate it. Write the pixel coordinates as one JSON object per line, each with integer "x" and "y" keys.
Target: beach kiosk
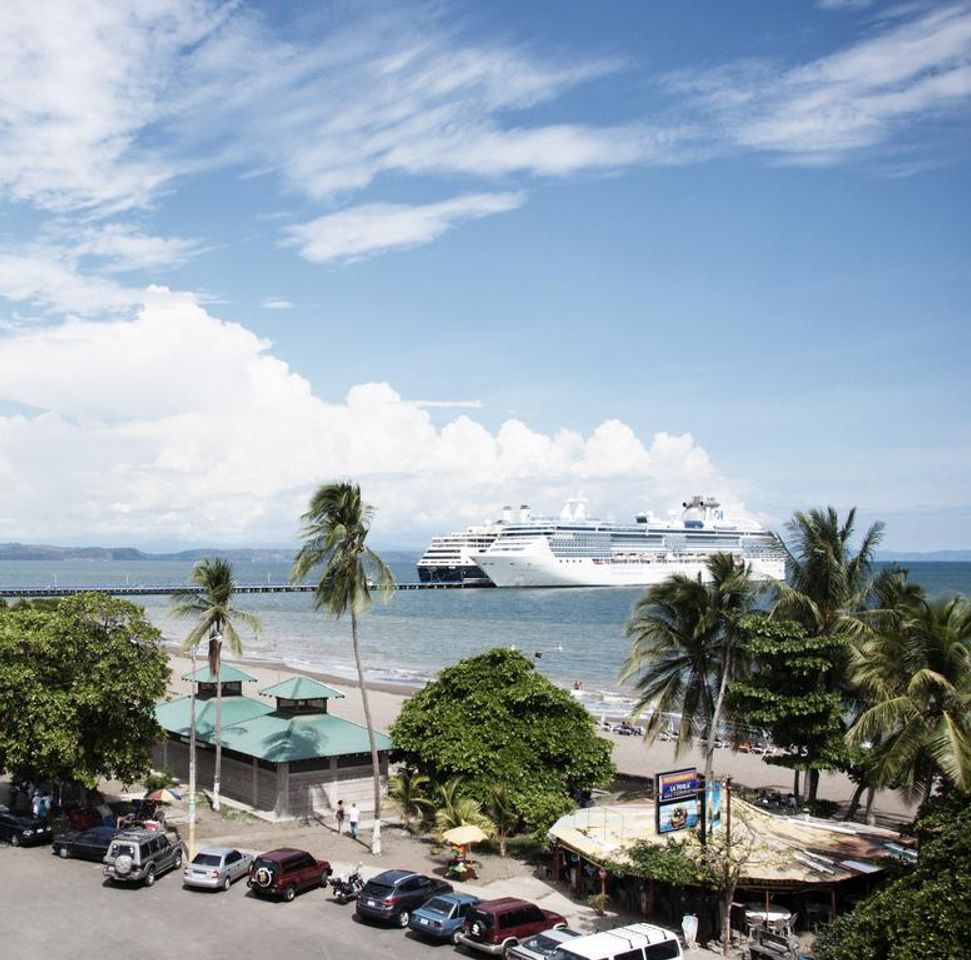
{"x": 285, "y": 754}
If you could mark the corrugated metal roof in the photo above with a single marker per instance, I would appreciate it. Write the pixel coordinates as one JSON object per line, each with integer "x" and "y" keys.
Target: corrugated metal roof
{"x": 301, "y": 688}
{"x": 174, "y": 715}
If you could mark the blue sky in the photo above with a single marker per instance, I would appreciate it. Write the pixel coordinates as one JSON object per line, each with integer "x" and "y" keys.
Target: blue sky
{"x": 469, "y": 254}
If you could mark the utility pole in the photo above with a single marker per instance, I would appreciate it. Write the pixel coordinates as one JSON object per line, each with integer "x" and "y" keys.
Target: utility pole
{"x": 192, "y": 759}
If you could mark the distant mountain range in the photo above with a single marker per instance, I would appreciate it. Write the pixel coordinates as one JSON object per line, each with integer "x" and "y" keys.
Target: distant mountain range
{"x": 30, "y": 551}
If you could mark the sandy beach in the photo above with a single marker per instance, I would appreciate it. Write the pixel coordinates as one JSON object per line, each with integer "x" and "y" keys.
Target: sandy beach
{"x": 631, "y": 755}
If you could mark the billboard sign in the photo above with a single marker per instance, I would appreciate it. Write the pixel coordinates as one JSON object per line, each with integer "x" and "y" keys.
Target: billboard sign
{"x": 713, "y": 805}
{"x": 676, "y": 800}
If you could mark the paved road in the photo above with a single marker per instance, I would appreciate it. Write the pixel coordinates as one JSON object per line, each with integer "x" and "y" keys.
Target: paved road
{"x": 53, "y": 909}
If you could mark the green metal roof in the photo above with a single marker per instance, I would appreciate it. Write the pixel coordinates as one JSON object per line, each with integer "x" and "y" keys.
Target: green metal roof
{"x": 282, "y": 736}
{"x": 227, "y": 674}
{"x": 174, "y": 715}
{"x": 257, "y": 730}
{"x": 301, "y": 688}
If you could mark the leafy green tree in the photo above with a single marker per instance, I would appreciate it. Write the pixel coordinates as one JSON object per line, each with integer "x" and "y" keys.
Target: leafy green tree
{"x": 923, "y": 911}
{"x": 686, "y": 653}
{"x": 78, "y": 687}
{"x": 335, "y": 530}
{"x": 493, "y": 720}
{"x": 830, "y": 582}
{"x": 914, "y": 669}
{"x": 789, "y": 693}
{"x": 216, "y": 617}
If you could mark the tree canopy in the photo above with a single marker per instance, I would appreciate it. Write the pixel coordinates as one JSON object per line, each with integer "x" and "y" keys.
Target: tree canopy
{"x": 493, "y": 720}
{"x": 78, "y": 686}
{"x": 922, "y": 913}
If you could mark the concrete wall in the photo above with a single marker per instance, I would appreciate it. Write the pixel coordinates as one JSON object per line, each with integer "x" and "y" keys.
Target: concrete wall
{"x": 288, "y": 793}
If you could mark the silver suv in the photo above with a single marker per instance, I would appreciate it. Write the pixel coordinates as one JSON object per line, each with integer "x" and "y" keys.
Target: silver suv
{"x": 140, "y": 856}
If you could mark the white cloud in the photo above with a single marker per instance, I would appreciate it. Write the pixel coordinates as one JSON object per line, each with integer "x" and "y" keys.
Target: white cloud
{"x": 379, "y": 227}
{"x": 120, "y": 247}
{"x": 916, "y": 67}
{"x": 80, "y": 82}
{"x": 171, "y": 424}
{"x": 276, "y": 303}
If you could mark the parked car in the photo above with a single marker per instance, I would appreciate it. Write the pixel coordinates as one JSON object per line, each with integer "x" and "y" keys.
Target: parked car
{"x": 285, "y": 872}
{"x": 87, "y": 844}
{"x": 540, "y": 946}
{"x": 215, "y": 868}
{"x": 637, "y": 941}
{"x": 494, "y": 926}
{"x": 442, "y": 917}
{"x": 141, "y": 856}
{"x": 391, "y": 896}
{"x": 20, "y": 829}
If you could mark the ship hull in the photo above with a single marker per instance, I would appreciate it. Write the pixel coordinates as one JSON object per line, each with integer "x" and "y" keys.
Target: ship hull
{"x": 549, "y": 571}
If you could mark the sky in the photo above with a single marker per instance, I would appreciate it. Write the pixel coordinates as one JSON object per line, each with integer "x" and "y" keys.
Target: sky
{"x": 468, "y": 254}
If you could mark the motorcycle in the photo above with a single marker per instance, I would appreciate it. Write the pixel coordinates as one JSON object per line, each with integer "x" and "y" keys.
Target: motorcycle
{"x": 347, "y": 888}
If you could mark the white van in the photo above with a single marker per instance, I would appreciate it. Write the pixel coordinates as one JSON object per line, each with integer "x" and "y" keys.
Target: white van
{"x": 639, "y": 941}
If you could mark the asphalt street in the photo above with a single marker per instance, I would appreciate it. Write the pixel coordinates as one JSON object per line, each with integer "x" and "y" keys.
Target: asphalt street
{"x": 53, "y": 909}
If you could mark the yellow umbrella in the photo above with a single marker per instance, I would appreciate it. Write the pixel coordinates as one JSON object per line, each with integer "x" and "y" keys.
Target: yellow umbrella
{"x": 464, "y": 835}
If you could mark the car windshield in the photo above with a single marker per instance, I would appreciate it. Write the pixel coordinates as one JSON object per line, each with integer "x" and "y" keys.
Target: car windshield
{"x": 438, "y": 905}
{"x": 541, "y": 944}
{"x": 381, "y": 890}
{"x": 207, "y": 859}
{"x": 122, "y": 850}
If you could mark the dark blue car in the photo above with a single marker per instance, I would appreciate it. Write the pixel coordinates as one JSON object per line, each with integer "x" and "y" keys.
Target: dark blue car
{"x": 442, "y": 916}
{"x": 87, "y": 844}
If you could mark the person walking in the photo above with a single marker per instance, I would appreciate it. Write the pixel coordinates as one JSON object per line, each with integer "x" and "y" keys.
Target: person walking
{"x": 339, "y": 813}
{"x": 353, "y": 818}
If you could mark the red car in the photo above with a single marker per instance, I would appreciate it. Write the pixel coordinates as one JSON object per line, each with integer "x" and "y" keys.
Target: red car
{"x": 495, "y": 925}
{"x": 285, "y": 872}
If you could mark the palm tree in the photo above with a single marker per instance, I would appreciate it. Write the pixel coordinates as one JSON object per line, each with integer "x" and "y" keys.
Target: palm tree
{"x": 335, "y": 530}
{"x": 409, "y": 790}
{"x": 456, "y": 808}
{"x": 212, "y": 604}
{"x": 686, "y": 649}
{"x": 830, "y": 584}
{"x": 915, "y": 670}
{"x": 501, "y": 810}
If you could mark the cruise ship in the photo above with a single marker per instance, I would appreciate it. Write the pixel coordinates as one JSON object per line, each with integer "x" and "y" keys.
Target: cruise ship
{"x": 449, "y": 558}
{"x": 574, "y": 551}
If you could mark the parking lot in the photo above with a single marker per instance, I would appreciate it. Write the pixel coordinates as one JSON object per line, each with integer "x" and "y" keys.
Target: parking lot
{"x": 52, "y": 908}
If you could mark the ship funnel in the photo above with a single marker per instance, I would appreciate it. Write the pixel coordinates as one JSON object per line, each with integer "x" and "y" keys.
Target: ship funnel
{"x": 580, "y": 508}
{"x": 566, "y": 514}
{"x": 524, "y": 512}
{"x": 507, "y": 514}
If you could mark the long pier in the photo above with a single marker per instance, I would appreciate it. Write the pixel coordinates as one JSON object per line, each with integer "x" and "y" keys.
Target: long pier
{"x": 142, "y": 591}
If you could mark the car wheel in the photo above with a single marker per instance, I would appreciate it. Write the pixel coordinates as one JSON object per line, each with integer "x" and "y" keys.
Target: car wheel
{"x": 507, "y": 946}
{"x": 14, "y": 840}
{"x": 227, "y": 883}
{"x": 177, "y": 862}
{"x": 289, "y": 893}
{"x": 150, "y": 876}
{"x": 63, "y": 852}
{"x": 403, "y": 918}
{"x": 455, "y": 938}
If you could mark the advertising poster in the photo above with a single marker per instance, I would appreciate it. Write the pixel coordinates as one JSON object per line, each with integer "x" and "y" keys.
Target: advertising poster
{"x": 680, "y": 815}
{"x": 713, "y": 805}
{"x": 675, "y": 784}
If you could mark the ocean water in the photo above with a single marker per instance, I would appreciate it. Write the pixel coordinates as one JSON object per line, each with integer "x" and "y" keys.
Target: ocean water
{"x": 573, "y": 634}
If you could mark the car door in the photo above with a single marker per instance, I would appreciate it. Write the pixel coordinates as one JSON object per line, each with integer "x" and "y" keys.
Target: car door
{"x": 232, "y": 863}
{"x": 534, "y": 920}
{"x": 166, "y": 852}
{"x": 306, "y": 870}
{"x": 86, "y": 845}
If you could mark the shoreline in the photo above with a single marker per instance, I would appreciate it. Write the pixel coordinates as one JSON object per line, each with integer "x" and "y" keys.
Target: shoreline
{"x": 632, "y": 757}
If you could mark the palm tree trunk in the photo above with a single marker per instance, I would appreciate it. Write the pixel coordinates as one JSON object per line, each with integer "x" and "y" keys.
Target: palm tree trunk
{"x": 855, "y": 801}
{"x": 795, "y": 783}
{"x": 716, "y": 717}
{"x": 217, "y": 767}
{"x": 813, "y": 777}
{"x": 868, "y": 813}
{"x": 375, "y": 762}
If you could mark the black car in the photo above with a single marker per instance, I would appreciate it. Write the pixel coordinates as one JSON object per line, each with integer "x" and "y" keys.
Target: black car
{"x": 22, "y": 829}
{"x": 87, "y": 844}
{"x": 392, "y": 895}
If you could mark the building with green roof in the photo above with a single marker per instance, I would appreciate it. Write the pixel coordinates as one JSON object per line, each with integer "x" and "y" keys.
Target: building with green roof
{"x": 286, "y": 754}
